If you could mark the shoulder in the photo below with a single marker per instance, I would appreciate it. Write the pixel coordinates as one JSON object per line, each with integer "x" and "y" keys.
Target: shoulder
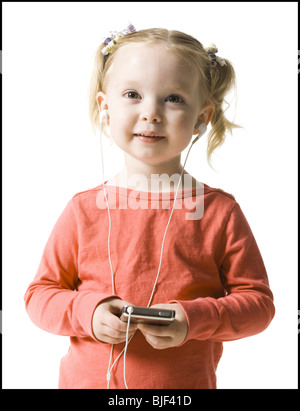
{"x": 218, "y": 194}
{"x": 223, "y": 210}
{"x": 87, "y": 199}
{"x": 89, "y": 193}
{"x": 218, "y": 204}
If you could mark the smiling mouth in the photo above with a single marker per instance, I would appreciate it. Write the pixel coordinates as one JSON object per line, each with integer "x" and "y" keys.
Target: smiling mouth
{"x": 148, "y": 137}
{"x": 148, "y": 134}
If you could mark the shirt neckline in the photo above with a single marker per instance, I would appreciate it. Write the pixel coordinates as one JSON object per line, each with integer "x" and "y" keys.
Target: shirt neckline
{"x": 129, "y": 192}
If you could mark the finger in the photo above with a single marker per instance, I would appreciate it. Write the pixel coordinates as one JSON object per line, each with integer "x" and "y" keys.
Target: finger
{"x": 109, "y": 340}
{"x": 159, "y": 343}
{"x": 113, "y": 336}
{"x": 115, "y": 323}
{"x": 156, "y": 330}
{"x": 115, "y": 333}
{"x": 132, "y": 326}
{"x": 111, "y": 332}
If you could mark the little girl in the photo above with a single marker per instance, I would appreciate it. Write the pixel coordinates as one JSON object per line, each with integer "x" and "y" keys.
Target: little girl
{"x": 157, "y": 89}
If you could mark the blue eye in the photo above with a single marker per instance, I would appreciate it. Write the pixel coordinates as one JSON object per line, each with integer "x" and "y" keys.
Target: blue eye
{"x": 132, "y": 95}
{"x": 173, "y": 98}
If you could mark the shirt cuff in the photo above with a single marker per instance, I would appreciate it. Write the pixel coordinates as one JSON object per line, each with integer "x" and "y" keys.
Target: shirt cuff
{"x": 202, "y": 318}
{"x": 86, "y": 307}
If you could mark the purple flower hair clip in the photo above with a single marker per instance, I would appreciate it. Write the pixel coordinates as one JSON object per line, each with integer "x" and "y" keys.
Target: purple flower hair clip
{"x": 114, "y": 37}
{"x": 212, "y": 50}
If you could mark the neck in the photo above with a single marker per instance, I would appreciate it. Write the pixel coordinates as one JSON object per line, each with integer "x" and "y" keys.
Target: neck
{"x": 135, "y": 166}
{"x": 139, "y": 176}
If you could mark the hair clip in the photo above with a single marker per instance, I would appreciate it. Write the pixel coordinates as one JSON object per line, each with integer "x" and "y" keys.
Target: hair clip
{"x": 114, "y": 37}
{"x": 212, "y": 49}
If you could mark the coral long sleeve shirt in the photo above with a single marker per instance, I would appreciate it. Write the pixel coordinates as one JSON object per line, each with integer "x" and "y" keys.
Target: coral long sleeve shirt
{"x": 211, "y": 266}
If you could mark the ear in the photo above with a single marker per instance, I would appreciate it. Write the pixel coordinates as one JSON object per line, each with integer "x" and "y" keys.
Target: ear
{"x": 101, "y": 99}
{"x": 204, "y": 116}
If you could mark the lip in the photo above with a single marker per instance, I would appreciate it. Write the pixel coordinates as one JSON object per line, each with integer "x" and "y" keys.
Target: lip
{"x": 148, "y": 136}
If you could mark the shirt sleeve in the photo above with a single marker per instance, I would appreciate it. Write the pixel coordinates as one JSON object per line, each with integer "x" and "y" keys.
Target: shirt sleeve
{"x": 51, "y": 300}
{"x": 247, "y": 307}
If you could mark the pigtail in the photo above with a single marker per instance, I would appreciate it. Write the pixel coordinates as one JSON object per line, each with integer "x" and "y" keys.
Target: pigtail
{"x": 222, "y": 79}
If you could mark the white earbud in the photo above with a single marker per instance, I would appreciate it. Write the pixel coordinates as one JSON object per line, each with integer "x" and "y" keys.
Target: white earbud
{"x": 202, "y": 129}
{"x": 103, "y": 115}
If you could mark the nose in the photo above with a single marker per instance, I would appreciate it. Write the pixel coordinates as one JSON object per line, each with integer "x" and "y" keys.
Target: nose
{"x": 151, "y": 113}
{"x": 151, "y": 118}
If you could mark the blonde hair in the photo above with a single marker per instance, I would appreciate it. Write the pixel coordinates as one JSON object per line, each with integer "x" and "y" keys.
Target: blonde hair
{"x": 215, "y": 80}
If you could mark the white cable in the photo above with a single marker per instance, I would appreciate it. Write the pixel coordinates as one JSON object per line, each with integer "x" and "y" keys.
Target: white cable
{"x": 129, "y": 310}
{"x": 110, "y": 370}
{"x": 163, "y": 242}
{"x": 108, "y": 374}
{"x": 110, "y": 367}
{"x": 108, "y": 211}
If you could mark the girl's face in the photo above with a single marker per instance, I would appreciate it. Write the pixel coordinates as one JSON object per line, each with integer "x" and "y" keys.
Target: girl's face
{"x": 154, "y": 102}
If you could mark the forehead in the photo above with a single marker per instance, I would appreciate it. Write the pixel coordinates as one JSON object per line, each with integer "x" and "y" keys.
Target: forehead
{"x": 151, "y": 63}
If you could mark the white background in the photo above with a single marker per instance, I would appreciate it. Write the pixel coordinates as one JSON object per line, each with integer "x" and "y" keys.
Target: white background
{"x": 50, "y": 153}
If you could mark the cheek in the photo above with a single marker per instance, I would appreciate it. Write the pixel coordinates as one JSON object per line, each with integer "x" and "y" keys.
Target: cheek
{"x": 185, "y": 128}
{"x": 119, "y": 123}
{"x": 184, "y": 121}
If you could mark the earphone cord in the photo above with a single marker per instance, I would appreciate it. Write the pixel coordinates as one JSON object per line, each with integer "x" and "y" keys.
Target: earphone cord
{"x": 108, "y": 211}
{"x": 163, "y": 242}
{"x": 130, "y": 309}
{"x": 110, "y": 367}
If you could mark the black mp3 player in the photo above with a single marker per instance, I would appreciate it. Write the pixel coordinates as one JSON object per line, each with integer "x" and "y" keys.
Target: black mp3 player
{"x": 148, "y": 315}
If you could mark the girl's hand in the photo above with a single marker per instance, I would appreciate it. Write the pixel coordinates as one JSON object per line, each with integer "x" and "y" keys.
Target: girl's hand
{"x": 166, "y": 336}
{"x": 107, "y": 326}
